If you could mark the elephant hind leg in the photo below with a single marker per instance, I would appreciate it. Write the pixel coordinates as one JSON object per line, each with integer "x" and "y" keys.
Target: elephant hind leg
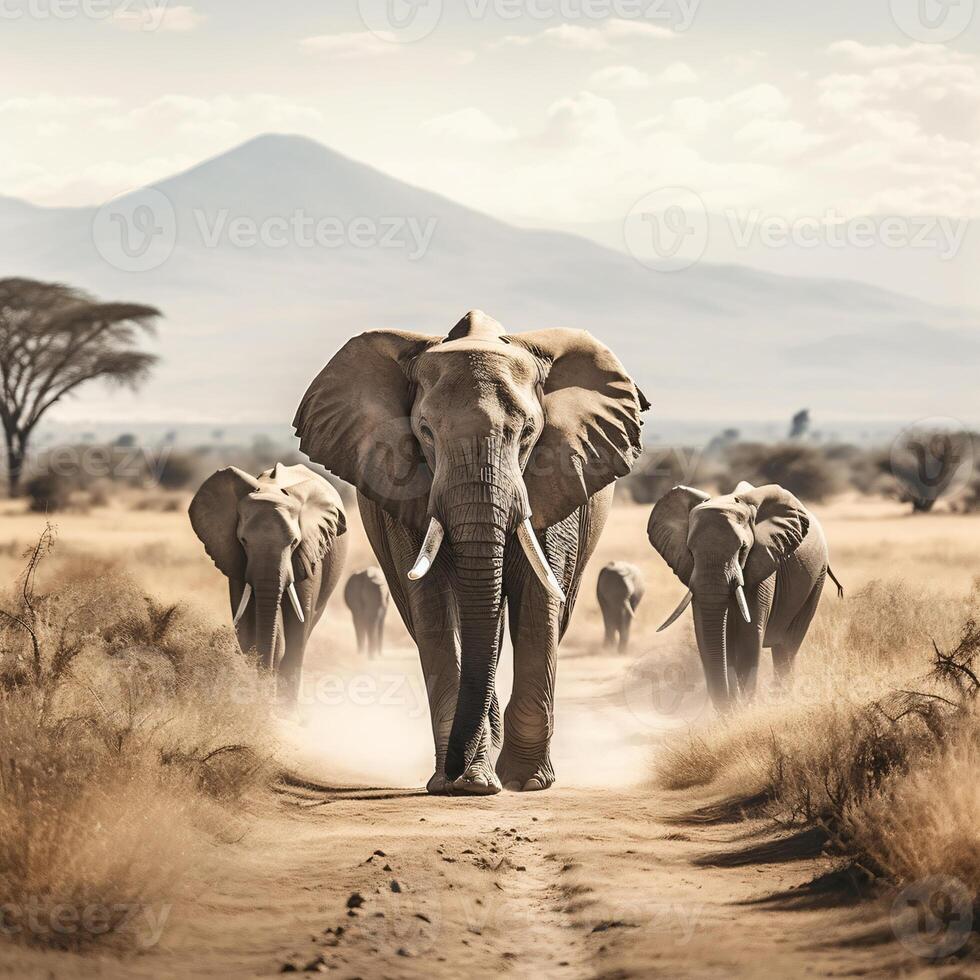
{"x": 609, "y": 625}
{"x": 783, "y": 657}
{"x": 784, "y": 653}
{"x": 361, "y": 630}
{"x": 625, "y": 625}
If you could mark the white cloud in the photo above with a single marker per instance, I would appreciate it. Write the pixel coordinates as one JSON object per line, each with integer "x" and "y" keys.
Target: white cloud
{"x": 602, "y": 37}
{"x": 776, "y": 140}
{"x": 884, "y": 54}
{"x": 42, "y": 105}
{"x": 231, "y": 115}
{"x": 619, "y": 78}
{"x": 470, "y": 124}
{"x": 679, "y": 73}
{"x": 158, "y": 17}
{"x": 763, "y": 99}
{"x": 353, "y": 44}
{"x": 585, "y": 119}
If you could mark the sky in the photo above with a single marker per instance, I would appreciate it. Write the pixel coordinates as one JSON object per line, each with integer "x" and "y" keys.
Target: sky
{"x": 542, "y": 112}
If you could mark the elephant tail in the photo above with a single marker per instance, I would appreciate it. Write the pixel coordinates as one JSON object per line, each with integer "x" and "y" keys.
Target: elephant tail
{"x": 833, "y": 578}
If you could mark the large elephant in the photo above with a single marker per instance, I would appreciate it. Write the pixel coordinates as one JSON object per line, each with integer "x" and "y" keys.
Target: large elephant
{"x": 506, "y": 446}
{"x": 754, "y": 562}
{"x": 366, "y": 596}
{"x": 619, "y": 590}
{"x": 281, "y": 536}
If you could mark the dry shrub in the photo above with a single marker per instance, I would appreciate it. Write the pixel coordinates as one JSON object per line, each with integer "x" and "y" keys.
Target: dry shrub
{"x": 875, "y": 744}
{"x": 124, "y": 726}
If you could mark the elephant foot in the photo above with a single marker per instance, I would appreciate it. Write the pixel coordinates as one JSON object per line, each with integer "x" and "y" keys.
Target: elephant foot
{"x": 525, "y": 777}
{"x": 478, "y": 780}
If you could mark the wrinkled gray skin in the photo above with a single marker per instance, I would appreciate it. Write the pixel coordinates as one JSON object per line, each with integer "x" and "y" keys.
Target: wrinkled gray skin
{"x": 783, "y": 554}
{"x": 366, "y": 595}
{"x": 286, "y": 526}
{"x": 480, "y": 429}
{"x": 619, "y": 591}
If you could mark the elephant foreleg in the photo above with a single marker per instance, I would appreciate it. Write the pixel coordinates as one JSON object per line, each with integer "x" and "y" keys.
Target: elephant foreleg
{"x": 525, "y": 760}
{"x": 428, "y": 609}
{"x": 746, "y": 639}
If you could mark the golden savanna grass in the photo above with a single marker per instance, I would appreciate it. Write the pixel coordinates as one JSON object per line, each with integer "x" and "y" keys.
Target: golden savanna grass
{"x": 127, "y": 726}
{"x": 127, "y": 749}
{"x": 879, "y": 740}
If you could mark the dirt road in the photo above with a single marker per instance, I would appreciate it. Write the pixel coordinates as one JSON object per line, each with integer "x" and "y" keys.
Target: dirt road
{"x": 600, "y": 877}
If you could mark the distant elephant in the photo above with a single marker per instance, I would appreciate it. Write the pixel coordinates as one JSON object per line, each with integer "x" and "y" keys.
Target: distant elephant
{"x": 276, "y": 537}
{"x": 506, "y": 446}
{"x": 754, "y": 562}
{"x": 619, "y": 591}
{"x": 366, "y": 595}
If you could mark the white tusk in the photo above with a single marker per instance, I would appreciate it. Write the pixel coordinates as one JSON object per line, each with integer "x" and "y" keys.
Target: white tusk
{"x": 537, "y": 559}
{"x": 675, "y": 615}
{"x": 243, "y": 605}
{"x": 739, "y": 575}
{"x": 743, "y": 606}
{"x": 294, "y": 599}
{"x": 428, "y": 551}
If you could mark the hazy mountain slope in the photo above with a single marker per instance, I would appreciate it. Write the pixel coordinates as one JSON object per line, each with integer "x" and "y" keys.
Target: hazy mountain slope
{"x": 247, "y": 327}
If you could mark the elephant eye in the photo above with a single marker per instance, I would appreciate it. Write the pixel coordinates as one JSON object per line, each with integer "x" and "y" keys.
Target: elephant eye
{"x": 425, "y": 432}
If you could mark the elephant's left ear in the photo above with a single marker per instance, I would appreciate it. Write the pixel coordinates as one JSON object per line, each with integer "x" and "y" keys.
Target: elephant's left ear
{"x": 781, "y": 524}
{"x": 322, "y": 520}
{"x": 592, "y": 422}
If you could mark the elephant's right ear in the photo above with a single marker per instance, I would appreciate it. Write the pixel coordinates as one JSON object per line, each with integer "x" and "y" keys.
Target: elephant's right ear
{"x": 355, "y": 419}
{"x": 214, "y": 517}
{"x": 668, "y": 527}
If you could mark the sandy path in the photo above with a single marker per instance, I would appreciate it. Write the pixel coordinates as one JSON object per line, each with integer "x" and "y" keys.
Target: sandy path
{"x": 599, "y": 877}
{"x": 596, "y": 878}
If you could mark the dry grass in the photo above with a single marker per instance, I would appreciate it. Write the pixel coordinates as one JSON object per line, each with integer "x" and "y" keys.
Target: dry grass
{"x": 878, "y": 742}
{"x": 126, "y": 725}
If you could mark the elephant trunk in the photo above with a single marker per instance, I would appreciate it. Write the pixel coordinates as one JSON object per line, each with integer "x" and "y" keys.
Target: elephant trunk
{"x": 712, "y": 601}
{"x": 479, "y": 511}
{"x": 269, "y": 589}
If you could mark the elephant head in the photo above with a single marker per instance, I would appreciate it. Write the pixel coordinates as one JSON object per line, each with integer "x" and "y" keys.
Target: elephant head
{"x": 475, "y": 437}
{"x": 718, "y": 545}
{"x": 268, "y": 532}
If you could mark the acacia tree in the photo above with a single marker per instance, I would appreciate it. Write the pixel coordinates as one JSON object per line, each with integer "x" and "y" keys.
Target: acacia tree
{"x": 53, "y": 339}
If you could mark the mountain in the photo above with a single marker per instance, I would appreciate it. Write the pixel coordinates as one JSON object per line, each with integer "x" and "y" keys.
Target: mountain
{"x": 248, "y": 324}
{"x": 934, "y": 258}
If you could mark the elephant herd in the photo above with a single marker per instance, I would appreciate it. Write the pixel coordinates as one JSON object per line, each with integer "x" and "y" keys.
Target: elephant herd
{"x": 484, "y": 464}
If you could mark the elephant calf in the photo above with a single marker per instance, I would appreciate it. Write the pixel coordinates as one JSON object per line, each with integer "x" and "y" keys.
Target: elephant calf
{"x": 366, "y": 595}
{"x": 279, "y": 536}
{"x": 619, "y": 591}
{"x": 754, "y": 562}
